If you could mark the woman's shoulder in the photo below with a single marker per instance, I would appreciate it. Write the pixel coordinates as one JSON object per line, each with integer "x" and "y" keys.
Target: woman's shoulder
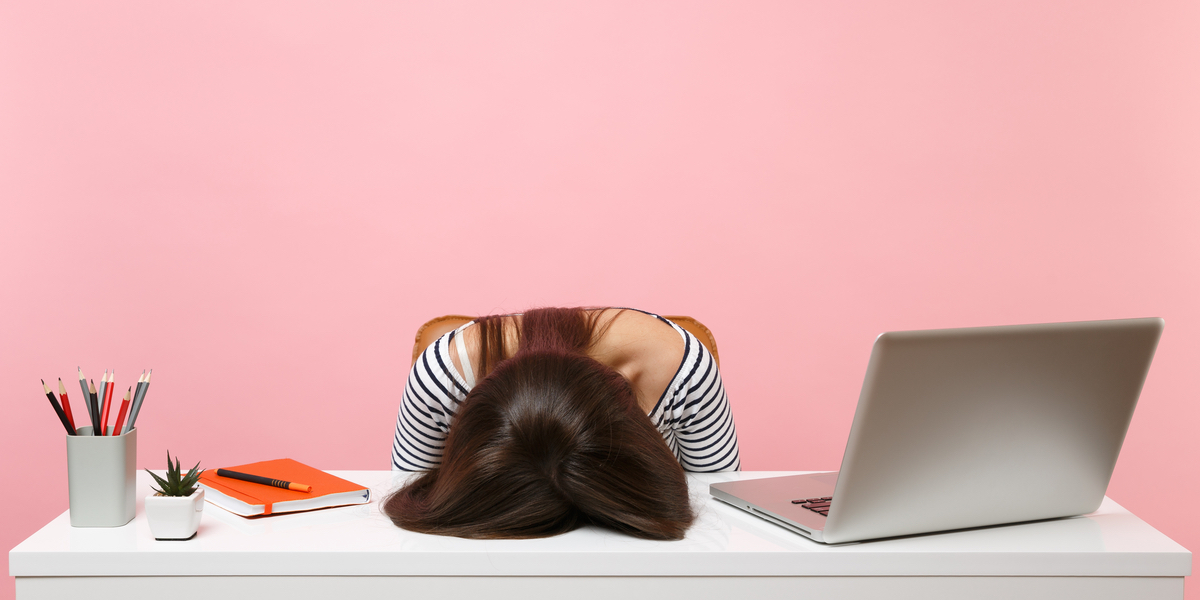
{"x": 643, "y": 347}
{"x": 437, "y": 369}
{"x": 638, "y": 330}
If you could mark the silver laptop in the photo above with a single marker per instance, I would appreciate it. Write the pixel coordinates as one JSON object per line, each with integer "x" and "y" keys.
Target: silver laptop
{"x": 959, "y": 428}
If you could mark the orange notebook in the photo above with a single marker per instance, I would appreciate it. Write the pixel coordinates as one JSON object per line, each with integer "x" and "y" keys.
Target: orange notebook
{"x": 254, "y": 499}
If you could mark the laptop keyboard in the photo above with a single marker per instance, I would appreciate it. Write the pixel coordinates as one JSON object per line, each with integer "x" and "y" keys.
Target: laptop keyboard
{"x": 817, "y": 505}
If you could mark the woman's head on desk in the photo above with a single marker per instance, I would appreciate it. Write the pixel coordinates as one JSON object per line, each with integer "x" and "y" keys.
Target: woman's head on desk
{"x": 548, "y": 441}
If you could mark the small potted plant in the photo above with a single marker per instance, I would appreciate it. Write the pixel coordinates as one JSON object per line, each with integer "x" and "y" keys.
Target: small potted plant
{"x": 174, "y": 510}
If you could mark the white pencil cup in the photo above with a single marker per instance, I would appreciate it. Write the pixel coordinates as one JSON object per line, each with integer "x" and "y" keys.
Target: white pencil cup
{"x": 100, "y": 477}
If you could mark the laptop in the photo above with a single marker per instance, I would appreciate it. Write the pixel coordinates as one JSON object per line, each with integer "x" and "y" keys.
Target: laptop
{"x": 960, "y": 428}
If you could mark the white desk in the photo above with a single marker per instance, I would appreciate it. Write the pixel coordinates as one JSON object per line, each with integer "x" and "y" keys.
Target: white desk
{"x": 356, "y": 550}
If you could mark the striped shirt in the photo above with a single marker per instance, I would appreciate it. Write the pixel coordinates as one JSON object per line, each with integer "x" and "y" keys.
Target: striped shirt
{"x": 693, "y": 414}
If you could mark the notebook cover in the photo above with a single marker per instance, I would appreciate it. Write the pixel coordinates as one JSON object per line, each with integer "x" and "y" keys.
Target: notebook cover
{"x": 283, "y": 468}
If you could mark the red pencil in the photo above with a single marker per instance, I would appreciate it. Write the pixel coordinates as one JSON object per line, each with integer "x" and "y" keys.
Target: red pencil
{"x": 107, "y": 404}
{"x": 121, "y": 415}
{"x": 62, "y": 394}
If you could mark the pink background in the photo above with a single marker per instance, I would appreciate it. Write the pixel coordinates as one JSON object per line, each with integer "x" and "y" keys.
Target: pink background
{"x": 263, "y": 200}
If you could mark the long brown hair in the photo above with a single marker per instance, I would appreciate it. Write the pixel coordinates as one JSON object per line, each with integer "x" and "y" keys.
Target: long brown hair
{"x": 549, "y": 440}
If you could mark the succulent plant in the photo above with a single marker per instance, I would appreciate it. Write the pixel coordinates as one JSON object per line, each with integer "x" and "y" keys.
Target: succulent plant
{"x": 176, "y": 484}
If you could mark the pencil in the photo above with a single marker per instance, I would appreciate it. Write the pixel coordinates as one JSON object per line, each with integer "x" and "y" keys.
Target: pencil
{"x": 101, "y": 404}
{"x": 95, "y": 404}
{"x": 122, "y": 412}
{"x": 138, "y": 397}
{"x": 100, "y": 400}
{"x": 106, "y": 388}
{"x": 137, "y": 401}
{"x": 87, "y": 399}
{"x": 279, "y": 483}
{"x": 66, "y": 404}
{"x": 57, "y": 409}
{"x": 108, "y": 401}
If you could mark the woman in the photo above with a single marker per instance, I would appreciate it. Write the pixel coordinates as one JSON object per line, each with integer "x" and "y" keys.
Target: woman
{"x": 580, "y": 416}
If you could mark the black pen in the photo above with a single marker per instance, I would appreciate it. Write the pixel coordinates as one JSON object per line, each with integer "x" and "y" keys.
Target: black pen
{"x": 279, "y": 483}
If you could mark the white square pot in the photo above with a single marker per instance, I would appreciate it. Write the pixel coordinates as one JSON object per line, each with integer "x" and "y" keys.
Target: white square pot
{"x": 175, "y": 517}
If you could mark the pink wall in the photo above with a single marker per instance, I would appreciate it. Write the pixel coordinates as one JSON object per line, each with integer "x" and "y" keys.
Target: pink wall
{"x": 262, "y": 200}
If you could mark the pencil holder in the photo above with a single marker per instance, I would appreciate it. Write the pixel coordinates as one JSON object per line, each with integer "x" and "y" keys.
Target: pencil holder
{"x": 100, "y": 477}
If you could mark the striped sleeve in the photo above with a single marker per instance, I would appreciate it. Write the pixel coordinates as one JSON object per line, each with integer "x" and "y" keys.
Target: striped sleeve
{"x": 431, "y": 395}
{"x": 695, "y": 416}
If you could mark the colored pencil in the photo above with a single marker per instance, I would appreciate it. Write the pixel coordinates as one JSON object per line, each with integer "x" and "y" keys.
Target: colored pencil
{"x": 138, "y": 398}
{"x": 66, "y": 404}
{"x": 100, "y": 402}
{"x": 122, "y": 412}
{"x": 106, "y": 396}
{"x": 87, "y": 400}
{"x": 95, "y": 407}
{"x": 100, "y": 397}
{"x": 57, "y": 409}
{"x": 108, "y": 400}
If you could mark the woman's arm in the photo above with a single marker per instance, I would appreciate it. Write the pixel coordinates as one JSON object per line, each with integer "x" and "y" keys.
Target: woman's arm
{"x": 706, "y": 438}
{"x": 432, "y": 394}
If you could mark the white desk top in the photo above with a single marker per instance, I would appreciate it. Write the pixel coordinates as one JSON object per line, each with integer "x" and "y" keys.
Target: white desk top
{"x": 358, "y": 540}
